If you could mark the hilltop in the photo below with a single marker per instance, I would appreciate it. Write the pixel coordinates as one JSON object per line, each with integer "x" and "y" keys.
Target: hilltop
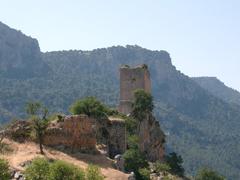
{"x": 202, "y": 127}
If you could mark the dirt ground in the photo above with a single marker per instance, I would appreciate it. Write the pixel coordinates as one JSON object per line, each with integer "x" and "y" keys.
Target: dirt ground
{"x": 23, "y": 152}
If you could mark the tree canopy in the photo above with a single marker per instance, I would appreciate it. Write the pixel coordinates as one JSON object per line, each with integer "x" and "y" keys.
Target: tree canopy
{"x": 143, "y": 104}
{"x": 89, "y": 106}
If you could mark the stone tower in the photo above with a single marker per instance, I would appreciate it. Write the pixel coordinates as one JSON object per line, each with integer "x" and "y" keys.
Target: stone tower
{"x": 131, "y": 79}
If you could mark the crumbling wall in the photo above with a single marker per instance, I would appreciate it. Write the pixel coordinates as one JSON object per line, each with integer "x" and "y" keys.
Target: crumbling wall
{"x": 117, "y": 137}
{"x": 76, "y": 132}
{"x": 81, "y": 132}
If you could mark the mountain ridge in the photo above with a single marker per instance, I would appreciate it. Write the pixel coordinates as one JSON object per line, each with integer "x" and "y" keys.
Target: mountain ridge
{"x": 20, "y": 55}
{"x": 199, "y": 123}
{"x": 218, "y": 88}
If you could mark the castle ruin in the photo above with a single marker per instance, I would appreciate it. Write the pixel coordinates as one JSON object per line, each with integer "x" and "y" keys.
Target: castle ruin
{"x": 132, "y": 79}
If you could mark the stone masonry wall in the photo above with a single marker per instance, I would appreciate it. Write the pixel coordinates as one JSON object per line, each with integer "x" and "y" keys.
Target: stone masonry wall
{"x": 76, "y": 132}
{"x": 130, "y": 80}
{"x": 117, "y": 136}
{"x": 79, "y": 132}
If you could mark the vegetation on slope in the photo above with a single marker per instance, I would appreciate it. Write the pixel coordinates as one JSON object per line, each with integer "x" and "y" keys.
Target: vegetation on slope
{"x": 201, "y": 127}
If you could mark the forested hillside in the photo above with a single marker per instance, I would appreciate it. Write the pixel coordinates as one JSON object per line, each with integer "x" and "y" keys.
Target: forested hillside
{"x": 219, "y": 89}
{"x": 201, "y": 127}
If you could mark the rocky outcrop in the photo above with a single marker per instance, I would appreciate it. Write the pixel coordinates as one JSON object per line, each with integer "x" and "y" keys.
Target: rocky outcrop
{"x": 20, "y": 55}
{"x": 19, "y": 131}
{"x": 151, "y": 138}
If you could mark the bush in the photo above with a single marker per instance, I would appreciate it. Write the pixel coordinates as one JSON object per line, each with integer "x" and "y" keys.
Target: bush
{"x": 131, "y": 125}
{"x": 143, "y": 174}
{"x": 4, "y": 170}
{"x": 60, "y": 170}
{"x": 89, "y": 106}
{"x": 208, "y": 174}
{"x": 38, "y": 170}
{"x": 42, "y": 169}
{"x": 133, "y": 142}
{"x": 93, "y": 173}
{"x": 134, "y": 160}
{"x": 143, "y": 104}
{"x": 161, "y": 167}
{"x": 175, "y": 163}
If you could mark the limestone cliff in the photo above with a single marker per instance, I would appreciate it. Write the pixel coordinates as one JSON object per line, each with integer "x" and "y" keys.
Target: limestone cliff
{"x": 151, "y": 138}
{"x": 20, "y": 55}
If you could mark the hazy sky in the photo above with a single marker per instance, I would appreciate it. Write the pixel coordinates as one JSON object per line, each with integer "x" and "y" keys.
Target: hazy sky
{"x": 202, "y": 36}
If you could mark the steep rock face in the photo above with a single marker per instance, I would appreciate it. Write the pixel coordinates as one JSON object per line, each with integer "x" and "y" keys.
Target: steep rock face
{"x": 151, "y": 138}
{"x": 20, "y": 55}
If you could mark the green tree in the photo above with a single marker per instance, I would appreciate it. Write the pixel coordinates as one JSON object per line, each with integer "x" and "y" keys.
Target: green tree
{"x": 38, "y": 115}
{"x": 144, "y": 174}
{"x": 134, "y": 160}
{"x": 143, "y": 104}
{"x": 208, "y": 174}
{"x": 131, "y": 125}
{"x": 4, "y": 170}
{"x": 161, "y": 167}
{"x": 175, "y": 163}
{"x": 93, "y": 173}
{"x": 133, "y": 142}
{"x": 38, "y": 170}
{"x": 60, "y": 170}
{"x": 89, "y": 106}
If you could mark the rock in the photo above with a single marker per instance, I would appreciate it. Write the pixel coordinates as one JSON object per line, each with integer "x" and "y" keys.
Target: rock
{"x": 18, "y": 176}
{"x": 26, "y": 163}
{"x": 119, "y": 162}
{"x": 151, "y": 138}
{"x": 131, "y": 176}
{"x": 19, "y": 131}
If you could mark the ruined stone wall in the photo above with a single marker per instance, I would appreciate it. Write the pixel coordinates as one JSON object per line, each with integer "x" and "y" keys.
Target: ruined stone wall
{"x": 75, "y": 132}
{"x": 117, "y": 137}
{"x": 80, "y": 132}
{"x": 130, "y": 80}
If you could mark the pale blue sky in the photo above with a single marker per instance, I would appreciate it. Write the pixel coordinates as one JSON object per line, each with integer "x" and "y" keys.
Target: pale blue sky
{"x": 202, "y": 36}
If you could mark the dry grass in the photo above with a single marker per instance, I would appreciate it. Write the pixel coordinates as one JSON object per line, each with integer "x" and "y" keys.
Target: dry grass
{"x": 23, "y": 152}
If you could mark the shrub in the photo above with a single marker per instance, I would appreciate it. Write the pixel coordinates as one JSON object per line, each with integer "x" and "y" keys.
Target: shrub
{"x": 60, "y": 170}
{"x": 143, "y": 174}
{"x": 134, "y": 160}
{"x": 175, "y": 163}
{"x": 93, "y": 173}
{"x": 143, "y": 104}
{"x": 133, "y": 142}
{"x": 208, "y": 174}
{"x": 131, "y": 125}
{"x": 161, "y": 167}
{"x": 38, "y": 170}
{"x": 4, "y": 170}
{"x": 89, "y": 106}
